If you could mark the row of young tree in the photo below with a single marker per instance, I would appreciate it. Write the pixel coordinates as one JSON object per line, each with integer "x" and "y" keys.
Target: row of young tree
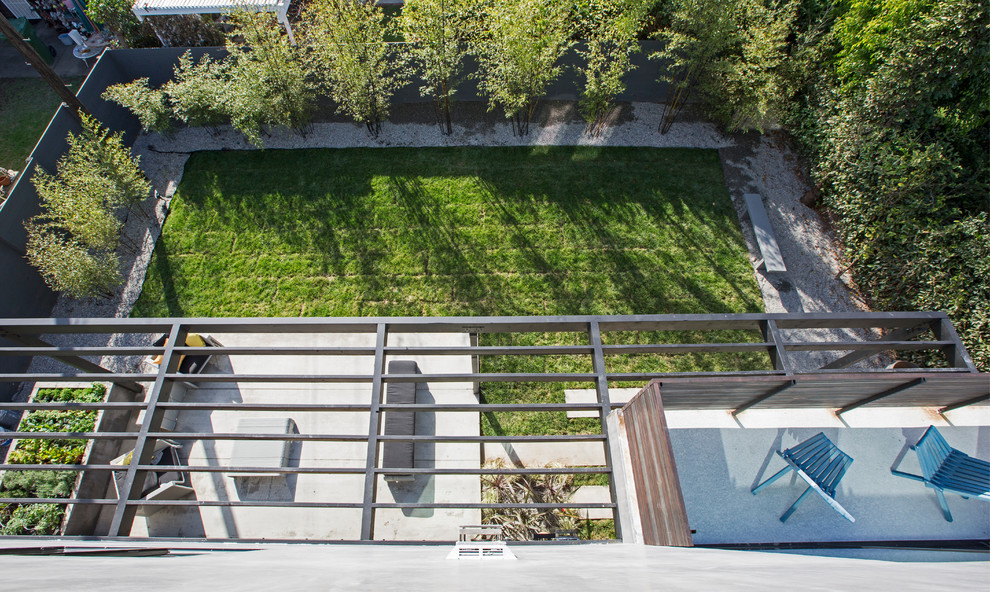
{"x": 889, "y": 99}
{"x": 75, "y": 240}
{"x": 347, "y": 51}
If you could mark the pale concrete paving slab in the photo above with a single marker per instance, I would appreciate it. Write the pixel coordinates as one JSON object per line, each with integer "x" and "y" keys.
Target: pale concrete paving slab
{"x": 554, "y": 567}
{"x": 325, "y": 523}
{"x": 578, "y": 396}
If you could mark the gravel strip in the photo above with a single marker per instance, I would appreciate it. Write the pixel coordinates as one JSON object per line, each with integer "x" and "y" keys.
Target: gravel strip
{"x": 752, "y": 164}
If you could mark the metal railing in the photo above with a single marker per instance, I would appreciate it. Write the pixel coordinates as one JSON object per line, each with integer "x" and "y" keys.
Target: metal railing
{"x": 774, "y": 337}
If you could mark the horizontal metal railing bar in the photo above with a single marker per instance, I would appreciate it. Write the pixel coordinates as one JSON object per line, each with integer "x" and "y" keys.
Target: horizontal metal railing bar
{"x": 340, "y": 407}
{"x": 461, "y": 377}
{"x": 315, "y": 407}
{"x": 294, "y": 437}
{"x": 315, "y": 470}
{"x": 684, "y": 348}
{"x": 483, "y": 506}
{"x": 861, "y": 345}
{"x": 246, "y": 504}
{"x": 513, "y": 471}
{"x": 60, "y": 351}
{"x": 885, "y": 371}
{"x": 647, "y": 376}
{"x": 190, "y": 468}
{"x": 295, "y": 504}
{"x": 490, "y": 407}
{"x": 572, "y": 323}
{"x": 466, "y": 439}
{"x": 58, "y": 500}
{"x": 70, "y": 406}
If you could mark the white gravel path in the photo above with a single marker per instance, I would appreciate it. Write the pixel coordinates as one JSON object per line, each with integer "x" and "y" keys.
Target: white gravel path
{"x": 758, "y": 164}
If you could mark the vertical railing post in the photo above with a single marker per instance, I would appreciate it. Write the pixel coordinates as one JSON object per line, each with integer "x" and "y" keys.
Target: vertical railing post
{"x": 955, "y": 354}
{"x": 605, "y": 407}
{"x": 374, "y": 429}
{"x": 144, "y": 446}
{"x": 777, "y": 351}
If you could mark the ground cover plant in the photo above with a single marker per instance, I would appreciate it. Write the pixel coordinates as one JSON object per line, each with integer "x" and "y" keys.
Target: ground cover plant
{"x": 46, "y": 519}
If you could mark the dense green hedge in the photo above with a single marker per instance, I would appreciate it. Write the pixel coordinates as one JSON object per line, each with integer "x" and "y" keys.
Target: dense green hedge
{"x": 894, "y": 115}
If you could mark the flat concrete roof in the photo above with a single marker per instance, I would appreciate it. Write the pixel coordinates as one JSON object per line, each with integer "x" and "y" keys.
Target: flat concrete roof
{"x": 544, "y": 567}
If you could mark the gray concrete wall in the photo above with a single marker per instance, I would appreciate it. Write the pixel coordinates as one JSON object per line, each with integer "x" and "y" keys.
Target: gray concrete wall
{"x": 82, "y": 519}
{"x": 24, "y": 293}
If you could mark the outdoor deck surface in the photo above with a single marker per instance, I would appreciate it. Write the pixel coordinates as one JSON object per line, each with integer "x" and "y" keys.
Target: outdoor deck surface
{"x": 325, "y": 523}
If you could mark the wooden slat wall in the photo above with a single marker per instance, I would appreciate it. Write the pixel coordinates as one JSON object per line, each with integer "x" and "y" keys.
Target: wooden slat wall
{"x": 818, "y": 391}
{"x": 658, "y": 489}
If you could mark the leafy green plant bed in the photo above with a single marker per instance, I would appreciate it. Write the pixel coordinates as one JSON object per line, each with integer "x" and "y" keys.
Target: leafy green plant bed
{"x": 463, "y": 231}
{"x": 46, "y": 519}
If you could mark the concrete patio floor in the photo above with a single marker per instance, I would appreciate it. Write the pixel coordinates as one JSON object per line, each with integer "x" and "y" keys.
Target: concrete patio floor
{"x": 325, "y": 523}
{"x": 719, "y": 458}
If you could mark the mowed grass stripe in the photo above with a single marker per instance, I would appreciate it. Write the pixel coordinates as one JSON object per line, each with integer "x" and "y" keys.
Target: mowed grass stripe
{"x": 487, "y": 231}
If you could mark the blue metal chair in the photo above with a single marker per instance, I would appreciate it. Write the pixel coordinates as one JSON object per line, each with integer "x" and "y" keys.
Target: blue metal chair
{"x": 944, "y": 469}
{"x": 821, "y": 464}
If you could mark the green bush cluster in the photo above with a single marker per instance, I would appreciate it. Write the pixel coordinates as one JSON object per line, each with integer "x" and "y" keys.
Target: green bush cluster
{"x": 45, "y": 519}
{"x": 261, "y": 82}
{"x": 895, "y": 117}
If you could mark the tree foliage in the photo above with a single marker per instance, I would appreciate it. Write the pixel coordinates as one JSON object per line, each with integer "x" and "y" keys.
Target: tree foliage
{"x": 197, "y": 91}
{"x": 268, "y": 83}
{"x": 612, "y": 28}
{"x": 117, "y": 17}
{"x": 73, "y": 241}
{"x": 437, "y": 31}
{"x": 733, "y": 54}
{"x": 150, "y": 105}
{"x": 518, "y": 44}
{"x": 355, "y": 64}
{"x": 897, "y": 125}
{"x": 262, "y": 82}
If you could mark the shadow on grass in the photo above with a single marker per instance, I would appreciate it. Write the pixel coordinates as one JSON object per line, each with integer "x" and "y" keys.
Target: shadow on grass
{"x": 501, "y": 231}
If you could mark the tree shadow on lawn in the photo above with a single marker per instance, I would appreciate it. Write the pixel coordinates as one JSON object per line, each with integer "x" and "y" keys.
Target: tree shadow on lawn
{"x": 367, "y": 215}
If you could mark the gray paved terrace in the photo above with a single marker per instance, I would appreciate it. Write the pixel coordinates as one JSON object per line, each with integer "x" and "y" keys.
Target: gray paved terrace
{"x": 324, "y": 523}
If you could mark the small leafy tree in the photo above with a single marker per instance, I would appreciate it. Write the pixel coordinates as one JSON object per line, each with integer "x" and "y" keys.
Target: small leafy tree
{"x": 150, "y": 105}
{"x": 437, "y": 30}
{"x": 74, "y": 239}
{"x": 700, "y": 32}
{"x": 102, "y": 154}
{"x": 269, "y": 83}
{"x": 733, "y": 54}
{"x": 612, "y": 28}
{"x": 518, "y": 45}
{"x": 68, "y": 266}
{"x": 350, "y": 55}
{"x": 197, "y": 91}
{"x": 117, "y": 17}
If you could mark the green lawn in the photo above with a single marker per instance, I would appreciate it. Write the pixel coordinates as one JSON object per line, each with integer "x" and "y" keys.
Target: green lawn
{"x": 462, "y": 231}
{"x": 26, "y": 107}
{"x": 459, "y": 231}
